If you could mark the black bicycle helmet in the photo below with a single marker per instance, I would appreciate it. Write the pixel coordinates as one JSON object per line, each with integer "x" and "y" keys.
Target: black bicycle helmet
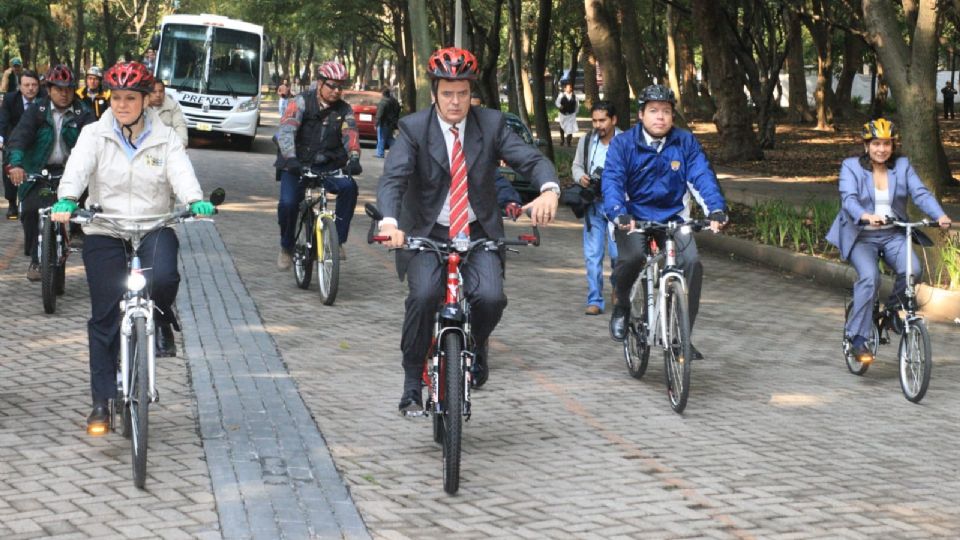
{"x": 657, "y": 92}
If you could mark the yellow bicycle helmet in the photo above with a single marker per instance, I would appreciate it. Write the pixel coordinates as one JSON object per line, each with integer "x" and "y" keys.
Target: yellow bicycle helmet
{"x": 881, "y": 128}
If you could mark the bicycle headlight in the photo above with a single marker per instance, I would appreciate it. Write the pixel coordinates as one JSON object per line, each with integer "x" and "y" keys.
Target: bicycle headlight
{"x": 251, "y": 105}
{"x": 136, "y": 282}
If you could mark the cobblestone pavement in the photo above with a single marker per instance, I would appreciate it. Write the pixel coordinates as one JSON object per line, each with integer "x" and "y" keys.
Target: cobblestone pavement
{"x": 55, "y": 481}
{"x": 778, "y": 440}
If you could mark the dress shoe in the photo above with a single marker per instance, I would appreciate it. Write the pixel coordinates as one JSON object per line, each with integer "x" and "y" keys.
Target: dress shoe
{"x": 12, "y": 213}
{"x": 593, "y": 310}
{"x": 166, "y": 344}
{"x": 694, "y": 353}
{"x": 480, "y": 370}
{"x": 284, "y": 260}
{"x": 411, "y": 401}
{"x": 618, "y": 323}
{"x": 343, "y": 253}
{"x": 98, "y": 423}
{"x": 33, "y": 272}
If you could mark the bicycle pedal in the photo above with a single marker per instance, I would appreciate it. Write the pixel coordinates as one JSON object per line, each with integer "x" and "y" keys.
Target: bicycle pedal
{"x": 415, "y": 414}
{"x": 98, "y": 429}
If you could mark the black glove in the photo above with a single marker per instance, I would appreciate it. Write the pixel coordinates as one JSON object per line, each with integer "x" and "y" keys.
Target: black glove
{"x": 353, "y": 167}
{"x": 718, "y": 215}
{"x": 623, "y": 219}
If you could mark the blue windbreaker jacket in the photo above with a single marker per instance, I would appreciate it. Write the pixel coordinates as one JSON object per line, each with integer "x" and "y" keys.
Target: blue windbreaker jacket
{"x": 651, "y": 186}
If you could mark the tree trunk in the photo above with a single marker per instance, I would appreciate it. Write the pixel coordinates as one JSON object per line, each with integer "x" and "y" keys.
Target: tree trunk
{"x": 630, "y": 36}
{"x": 516, "y": 59}
{"x": 78, "y": 44}
{"x": 420, "y": 32}
{"x": 513, "y": 103}
{"x": 591, "y": 90}
{"x": 674, "y": 60}
{"x": 912, "y": 71}
{"x": 605, "y": 42}
{"x": 525, "y": 75}
{"x": 539, "y": 67}
{"x": 881, "y": 92}
{"x": 110, "y": 34}
{"x": 820, "y": 31}
{"x": 799, "y": 106}
{"x": 733, "y": 118}
{"x": 853, "y": 49}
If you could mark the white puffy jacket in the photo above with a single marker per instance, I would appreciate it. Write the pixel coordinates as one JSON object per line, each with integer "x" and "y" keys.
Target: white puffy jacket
{"x": 160, "y": 169}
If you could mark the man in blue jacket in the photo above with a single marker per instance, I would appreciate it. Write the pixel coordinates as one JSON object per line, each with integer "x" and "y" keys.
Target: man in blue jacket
{"x": 650, "y": 174}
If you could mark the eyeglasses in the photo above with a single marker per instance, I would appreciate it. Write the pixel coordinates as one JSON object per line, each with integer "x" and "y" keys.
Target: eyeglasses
{"x": 335, "y": 87}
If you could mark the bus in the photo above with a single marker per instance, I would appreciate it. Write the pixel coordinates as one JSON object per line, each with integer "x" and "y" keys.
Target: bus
{"x": 213, "y": 66}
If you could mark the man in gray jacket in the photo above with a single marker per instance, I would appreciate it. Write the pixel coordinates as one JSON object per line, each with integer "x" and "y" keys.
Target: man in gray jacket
{"x": 169, "y": 110}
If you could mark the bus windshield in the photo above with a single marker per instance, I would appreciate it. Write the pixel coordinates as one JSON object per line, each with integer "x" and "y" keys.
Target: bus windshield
{"x": 209, "y": 60}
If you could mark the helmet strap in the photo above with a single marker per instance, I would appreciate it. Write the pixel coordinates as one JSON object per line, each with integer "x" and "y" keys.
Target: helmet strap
{"x": 127, "y": 129}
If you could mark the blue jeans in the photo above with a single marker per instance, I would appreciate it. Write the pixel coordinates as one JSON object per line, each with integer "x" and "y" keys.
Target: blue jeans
{"x": 595, "y": 239}
{"x": 384, "y": 139}
{"x": 864, "y": 257}
{"x": 291, "y": 195}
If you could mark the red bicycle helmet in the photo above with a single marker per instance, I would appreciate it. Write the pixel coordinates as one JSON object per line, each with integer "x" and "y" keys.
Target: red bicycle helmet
{"x": 332, "y": 70}
{"x": 60, "y": 75}
{"x": 453, "y": 64}
{"x": 129, "y": 76}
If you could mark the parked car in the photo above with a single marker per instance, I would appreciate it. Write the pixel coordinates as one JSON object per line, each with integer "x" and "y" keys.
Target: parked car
{"x": 364, "y": 106}
{"x": 523, "y": 186}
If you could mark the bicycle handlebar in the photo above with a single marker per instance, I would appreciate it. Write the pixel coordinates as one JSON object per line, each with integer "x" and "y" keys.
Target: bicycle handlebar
{"x": 892, "y": 220}
{"x": 694, "y": 225}
{"x": 522, "y": 240}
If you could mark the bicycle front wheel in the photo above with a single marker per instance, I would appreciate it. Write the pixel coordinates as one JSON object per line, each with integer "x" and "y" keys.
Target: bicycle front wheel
{"x": 452, "y": 410}
{"x": 636, "y": 350}
{"x": 328, "y": 260}
{"x": 48, "y": 265}
{"x": 676, "y": 354}
{"x": 303, "y": 251}
{"x": 139, "y": 399}
{"x": 915, "y": 361}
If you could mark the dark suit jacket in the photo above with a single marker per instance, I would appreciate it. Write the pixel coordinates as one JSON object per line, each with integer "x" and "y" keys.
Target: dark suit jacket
{"x": 10, "y": 113}
{"x": 416, "y": 175}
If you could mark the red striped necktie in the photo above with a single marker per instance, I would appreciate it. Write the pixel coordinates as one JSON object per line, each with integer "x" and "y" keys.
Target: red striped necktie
{"x": 458, "y": 189}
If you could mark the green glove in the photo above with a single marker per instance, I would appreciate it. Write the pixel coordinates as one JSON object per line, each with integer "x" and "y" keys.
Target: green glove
{"x": 64, "y": 206}
{"x": 202, "y": 208}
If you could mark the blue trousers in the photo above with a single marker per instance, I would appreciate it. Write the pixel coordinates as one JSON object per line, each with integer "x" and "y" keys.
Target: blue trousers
{"x": 864, "y": 257}
{"x": 384, "y": 139}
{"x": 291, "y": 195}
{"x": 596, "y": 242}
{"x": 105, "y": 261}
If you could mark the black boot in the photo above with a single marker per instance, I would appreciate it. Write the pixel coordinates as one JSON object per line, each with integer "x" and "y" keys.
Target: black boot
{"x": 166, "y": 344}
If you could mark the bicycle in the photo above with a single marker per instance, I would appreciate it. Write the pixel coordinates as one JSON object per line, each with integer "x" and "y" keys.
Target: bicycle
{"x": 136, "y": 366}
{"x": 659, "y": 313}
{"x": 914, "y": 352}
{"x": 53, "y": 244}
{"x": 316, "y": 238}
{"x": 450, "y": 370}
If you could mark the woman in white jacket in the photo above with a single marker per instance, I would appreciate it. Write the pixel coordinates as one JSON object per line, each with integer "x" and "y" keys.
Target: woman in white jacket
{"x": 133, "y": 164}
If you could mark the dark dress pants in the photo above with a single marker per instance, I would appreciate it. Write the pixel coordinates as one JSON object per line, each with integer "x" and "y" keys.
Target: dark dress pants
{"x": 105, "y": 261}
{"x": 426, "y": 275}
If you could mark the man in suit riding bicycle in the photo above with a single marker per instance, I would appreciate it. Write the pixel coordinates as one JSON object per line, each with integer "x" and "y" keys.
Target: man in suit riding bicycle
{"x": 415, "y": 197}
{"x": 650, "y": 173}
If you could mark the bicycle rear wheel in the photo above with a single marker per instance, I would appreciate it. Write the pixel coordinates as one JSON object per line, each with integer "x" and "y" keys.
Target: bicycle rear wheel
{"x": 915, "y": 361}
{"x": 853, "y": 363}
{"x": 452, "y": 410}
{"x": 48, "y": 265}
{"x": 139, "y": 400}
{"x": 328, "y": 261}
{"x": 303, "y": 251}
{"x": 676, "y": 355}
{"x": 636, "y": 350}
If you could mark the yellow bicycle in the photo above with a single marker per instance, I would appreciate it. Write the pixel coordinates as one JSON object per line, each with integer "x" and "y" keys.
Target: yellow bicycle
{"x": 316, "y": 238}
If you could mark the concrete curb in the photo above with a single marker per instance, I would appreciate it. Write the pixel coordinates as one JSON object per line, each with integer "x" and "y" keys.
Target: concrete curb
{"x": 937, "y": 304}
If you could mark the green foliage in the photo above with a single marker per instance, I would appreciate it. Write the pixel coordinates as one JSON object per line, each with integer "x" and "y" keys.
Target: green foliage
{"x": 780, "y": 224}
{"x": 948, "y": 273}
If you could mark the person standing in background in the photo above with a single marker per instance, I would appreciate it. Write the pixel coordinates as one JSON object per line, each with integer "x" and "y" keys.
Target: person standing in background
{"x": 948, "y": 92}
{"x": 567, "y": 106}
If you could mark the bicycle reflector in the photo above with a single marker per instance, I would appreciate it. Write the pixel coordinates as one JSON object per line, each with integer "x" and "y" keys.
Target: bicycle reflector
{"x": 136, "y": 282}
{"x": 97, "y": 430}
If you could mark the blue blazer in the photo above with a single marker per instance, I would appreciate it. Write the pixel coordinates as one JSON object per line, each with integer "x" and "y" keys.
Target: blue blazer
{"x": 857, "y": 197}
